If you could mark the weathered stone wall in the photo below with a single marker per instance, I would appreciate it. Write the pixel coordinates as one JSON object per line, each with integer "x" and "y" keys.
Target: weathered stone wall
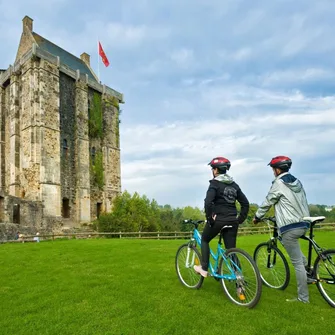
{"x": 8, "y": 231}
{"x": 82, "y": 153}
{"x": 4, "y": 162}
{"x": 97, "y": 194}
{"x": 30, "y": 213}
{"x": 40, "y": 107}
{"x": 31, "y": 120}
{"x": 14, "y": 135}
{"x": 27, "y": 38}
{"x": 111, "y": 150}
{"x": 50, "y": 138}
{"x": 7, "y": 140}
{"x": 67, "y": 131}
{"x": 2, "y": 137}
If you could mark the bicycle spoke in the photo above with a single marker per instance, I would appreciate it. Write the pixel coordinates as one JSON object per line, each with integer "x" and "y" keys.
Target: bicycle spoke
{"x": 325, "y": 273}
{"x": 186, "y": 258}
{"x": 245, "y": 290}
{"x": 272, "y": 265}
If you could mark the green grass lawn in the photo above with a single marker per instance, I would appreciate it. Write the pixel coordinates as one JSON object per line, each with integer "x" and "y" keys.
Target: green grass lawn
{"x": 112, "y": 286}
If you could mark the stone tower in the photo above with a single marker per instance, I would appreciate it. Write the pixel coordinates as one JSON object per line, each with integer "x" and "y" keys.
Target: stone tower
{"x": 60, "y": 142}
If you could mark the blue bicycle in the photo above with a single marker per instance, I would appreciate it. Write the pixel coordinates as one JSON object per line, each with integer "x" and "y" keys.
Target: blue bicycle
{"x": 234, "y": 268}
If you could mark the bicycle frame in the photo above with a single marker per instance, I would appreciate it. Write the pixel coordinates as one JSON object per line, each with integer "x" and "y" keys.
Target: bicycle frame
{"x": 196, "y": 239}
{"x": 311, "y": 243}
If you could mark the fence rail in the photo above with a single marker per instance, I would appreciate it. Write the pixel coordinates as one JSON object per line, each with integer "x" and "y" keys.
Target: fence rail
{"x": 253, "y": 230}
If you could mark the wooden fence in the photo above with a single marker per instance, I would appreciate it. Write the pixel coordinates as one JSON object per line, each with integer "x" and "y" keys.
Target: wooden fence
{"x": 149, "y": 235}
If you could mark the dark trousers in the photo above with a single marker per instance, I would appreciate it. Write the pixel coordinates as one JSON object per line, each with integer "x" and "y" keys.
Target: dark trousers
{"x": 229, "y": 238}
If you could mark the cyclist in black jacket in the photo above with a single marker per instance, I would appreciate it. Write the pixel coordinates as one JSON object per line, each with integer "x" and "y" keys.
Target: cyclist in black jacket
{"x": 220, "y": 208}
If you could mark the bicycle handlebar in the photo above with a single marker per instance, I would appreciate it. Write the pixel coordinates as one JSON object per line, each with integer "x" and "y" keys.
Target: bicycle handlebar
{"x": 269, "y": 218}
{"x": 194, "y": 222}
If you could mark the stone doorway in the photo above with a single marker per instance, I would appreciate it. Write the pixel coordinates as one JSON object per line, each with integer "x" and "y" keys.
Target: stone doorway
{"x": 16, "y": 213}
{"x": 66, "y": 208}
{"x": 99, "y": 207}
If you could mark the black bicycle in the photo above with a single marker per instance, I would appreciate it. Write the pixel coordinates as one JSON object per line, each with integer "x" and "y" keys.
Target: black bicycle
{"x": 274, "y": 269}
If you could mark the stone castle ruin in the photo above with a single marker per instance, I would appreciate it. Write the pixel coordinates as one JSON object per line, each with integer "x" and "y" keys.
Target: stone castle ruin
{"x": 60, "y": 141}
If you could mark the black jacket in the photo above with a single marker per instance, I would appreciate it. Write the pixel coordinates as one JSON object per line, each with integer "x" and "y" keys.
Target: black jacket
{"x": 221, "y": 199}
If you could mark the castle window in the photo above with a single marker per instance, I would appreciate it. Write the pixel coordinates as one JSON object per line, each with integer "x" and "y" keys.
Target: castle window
{"x": 65, "y": 148}
{"x": 93, "y": 155}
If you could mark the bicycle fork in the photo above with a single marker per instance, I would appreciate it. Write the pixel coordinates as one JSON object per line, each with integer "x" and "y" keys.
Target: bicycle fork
{"x": 270, "y": 264}
{"x": 189, "y": 258}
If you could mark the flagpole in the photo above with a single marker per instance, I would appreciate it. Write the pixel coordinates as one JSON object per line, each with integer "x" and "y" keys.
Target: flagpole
{"x": 98, "y": 62}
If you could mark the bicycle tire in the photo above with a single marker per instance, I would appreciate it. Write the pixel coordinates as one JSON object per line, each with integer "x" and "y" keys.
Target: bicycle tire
{"x": 246, "y": 279}
{"x": 324, "y": 276}
{"x": 185, "y": 272}
{"x": 271, "y": 276}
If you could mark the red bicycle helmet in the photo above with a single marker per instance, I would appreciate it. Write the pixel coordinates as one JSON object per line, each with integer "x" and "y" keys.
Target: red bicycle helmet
{"x": 281, "y": 162}
{"x": 221, "y": 163}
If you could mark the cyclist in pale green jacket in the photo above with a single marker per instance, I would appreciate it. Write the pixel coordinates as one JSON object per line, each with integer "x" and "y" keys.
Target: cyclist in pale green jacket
{"x": 288, "y": 197}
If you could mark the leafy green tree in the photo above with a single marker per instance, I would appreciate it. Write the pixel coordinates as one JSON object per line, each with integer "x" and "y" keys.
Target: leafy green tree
{"x": 134, "y": 213}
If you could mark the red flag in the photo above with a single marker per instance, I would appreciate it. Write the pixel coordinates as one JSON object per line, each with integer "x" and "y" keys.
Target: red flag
{"x": 103, "y": 55}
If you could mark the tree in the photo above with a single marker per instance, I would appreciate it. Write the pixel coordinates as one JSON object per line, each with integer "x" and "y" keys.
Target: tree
{"x": 135, "y": 213}
{"x": 131, "y": 213}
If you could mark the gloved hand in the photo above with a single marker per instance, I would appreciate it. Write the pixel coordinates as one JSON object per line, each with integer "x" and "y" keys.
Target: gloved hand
{"x": 211, "y": 220}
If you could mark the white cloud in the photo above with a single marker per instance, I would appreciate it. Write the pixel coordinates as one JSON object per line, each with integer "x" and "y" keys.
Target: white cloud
{"x": 171, "y": 157}
{"x": 296, "y": 76}
{"x": 182, "y": 57}
{"x": 237, "y": 55}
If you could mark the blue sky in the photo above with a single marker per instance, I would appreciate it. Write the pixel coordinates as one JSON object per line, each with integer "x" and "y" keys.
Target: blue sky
{"x": 243, "y": 79}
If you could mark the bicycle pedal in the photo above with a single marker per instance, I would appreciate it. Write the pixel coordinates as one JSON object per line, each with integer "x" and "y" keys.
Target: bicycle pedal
{"x": 241, "y": 296}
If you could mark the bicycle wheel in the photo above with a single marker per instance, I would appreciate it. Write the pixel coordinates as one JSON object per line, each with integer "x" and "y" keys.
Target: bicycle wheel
{"x": 186, "y": 257}
{"x": 272, "y": 265}
{"x": 324, "y": 267}
{"x": 245, "y": 287}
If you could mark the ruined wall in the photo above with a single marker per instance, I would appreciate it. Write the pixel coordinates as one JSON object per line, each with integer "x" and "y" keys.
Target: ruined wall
{"x": 14, "y": 134}
{"x": 108, "y": 147}
{"x": 83, "y": 200}
{"x": 30, "y": 213}
{"x": 40, "y": 151}
{"x": 40, "y": 107}
{"x": 67, "y": 142}
{"x": 4, "y": 138}
{"x": 26, "y": 39}
{"x": 50, "y": 138}
{"x": 96, "y": 155}
{"x": 111, "y": 150}
{"x": 31, "y": 119}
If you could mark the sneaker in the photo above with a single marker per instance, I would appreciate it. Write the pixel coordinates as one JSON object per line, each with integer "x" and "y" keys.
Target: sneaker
{"x": 199, "y": 269}
{"x": 311, "y": 279}
{"x": 297, "y": 300}
{"x": 240, "y": 293}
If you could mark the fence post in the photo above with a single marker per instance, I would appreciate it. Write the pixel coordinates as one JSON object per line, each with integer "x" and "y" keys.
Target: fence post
{"x": 158, "y": 235}
{"x": 120, "y": 235}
